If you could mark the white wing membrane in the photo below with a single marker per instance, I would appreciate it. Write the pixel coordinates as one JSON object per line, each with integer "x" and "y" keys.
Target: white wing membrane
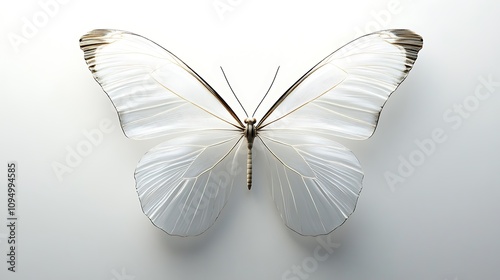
{"x": 344, "y": 93}
{"x": 184, "y": 183}
{"x": 154, "y": 92}
{"x": 316, "y": 186}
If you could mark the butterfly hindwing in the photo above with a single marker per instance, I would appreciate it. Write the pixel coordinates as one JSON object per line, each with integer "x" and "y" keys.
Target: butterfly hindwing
{"x": 184, "y": 183}
{"x": 318, "y": 191}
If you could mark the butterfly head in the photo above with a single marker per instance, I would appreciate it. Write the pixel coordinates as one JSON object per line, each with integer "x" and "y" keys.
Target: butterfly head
{"x": 250, "y": 120}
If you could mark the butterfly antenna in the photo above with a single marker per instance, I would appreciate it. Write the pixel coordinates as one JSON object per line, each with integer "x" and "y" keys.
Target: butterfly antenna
{"x": 275, "y": 75}
{"x": 227, "y": 81}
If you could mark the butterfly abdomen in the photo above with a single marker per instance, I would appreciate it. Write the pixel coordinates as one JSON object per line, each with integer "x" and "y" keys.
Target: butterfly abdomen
{"x": 250, "y": 133}
{"x": 249, "y": 166}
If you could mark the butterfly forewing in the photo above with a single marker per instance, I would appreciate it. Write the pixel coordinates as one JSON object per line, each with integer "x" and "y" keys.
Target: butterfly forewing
{"x": 154, "y": 92}
{"x": 344, "y": 93}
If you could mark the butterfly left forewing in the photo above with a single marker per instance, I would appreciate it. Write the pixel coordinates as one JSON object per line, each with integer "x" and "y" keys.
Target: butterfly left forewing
{"x": 153, "y": 91}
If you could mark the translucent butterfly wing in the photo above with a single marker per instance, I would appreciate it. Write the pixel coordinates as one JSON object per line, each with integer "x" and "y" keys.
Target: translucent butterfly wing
{"x": 154, "y": 92}
{"x": 183, "y": 183}
{"x": 344, "y": 93}
{"x": 316, "y": 181}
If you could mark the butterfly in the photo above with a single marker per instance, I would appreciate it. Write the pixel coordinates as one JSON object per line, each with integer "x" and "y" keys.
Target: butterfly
{"x": 184, "y": 182}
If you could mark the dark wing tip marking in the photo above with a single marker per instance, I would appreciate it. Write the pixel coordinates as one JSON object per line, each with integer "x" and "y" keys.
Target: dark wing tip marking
{"x": 411, "y": 42}
{"x": 92, "y": 41}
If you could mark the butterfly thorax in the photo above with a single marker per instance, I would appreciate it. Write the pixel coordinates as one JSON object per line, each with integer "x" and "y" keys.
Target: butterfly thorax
{"x": 250, "y": 133}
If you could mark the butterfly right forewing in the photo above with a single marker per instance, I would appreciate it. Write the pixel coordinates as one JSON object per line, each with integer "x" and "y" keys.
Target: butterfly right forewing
{"x": 344, "y": 93}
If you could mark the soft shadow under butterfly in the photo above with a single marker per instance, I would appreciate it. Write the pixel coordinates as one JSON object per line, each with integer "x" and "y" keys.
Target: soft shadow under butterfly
{"x": 184, "y": 183}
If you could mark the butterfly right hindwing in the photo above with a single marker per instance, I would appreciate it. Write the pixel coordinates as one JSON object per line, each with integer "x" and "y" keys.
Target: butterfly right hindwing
{"x": 319, "y": 191}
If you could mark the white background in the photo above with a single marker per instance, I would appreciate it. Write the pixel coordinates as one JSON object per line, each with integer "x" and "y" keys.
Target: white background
{"x": 439, "y": 221}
